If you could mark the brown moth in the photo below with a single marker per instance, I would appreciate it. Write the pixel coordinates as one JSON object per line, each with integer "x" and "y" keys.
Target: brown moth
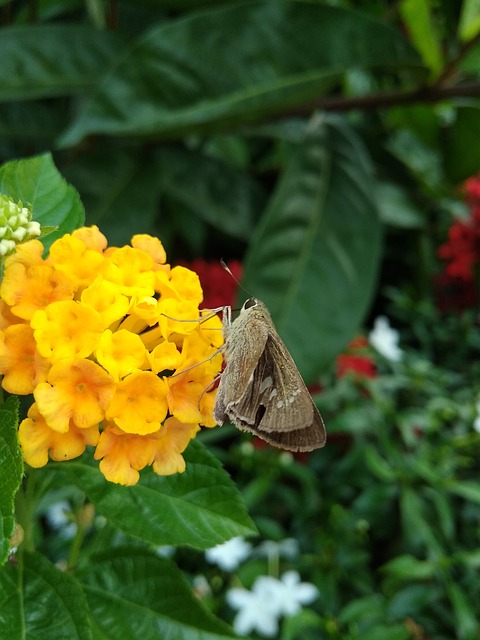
{"x": 260, "y": 389}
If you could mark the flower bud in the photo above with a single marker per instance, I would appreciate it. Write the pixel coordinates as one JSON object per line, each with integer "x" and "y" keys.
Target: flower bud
{"x": 16, "y": 225}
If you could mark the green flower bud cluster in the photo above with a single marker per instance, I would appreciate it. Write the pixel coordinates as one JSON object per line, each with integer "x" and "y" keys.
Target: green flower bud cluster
{"x": 16, "y": 225}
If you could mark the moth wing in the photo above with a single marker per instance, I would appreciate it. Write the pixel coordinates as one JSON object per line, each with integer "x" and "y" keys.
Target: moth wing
{"x": 289, "y": 405}
{"x": 276, "y": 405}
{"x": 306, "y": 439}
{"x": 242, "y": 355}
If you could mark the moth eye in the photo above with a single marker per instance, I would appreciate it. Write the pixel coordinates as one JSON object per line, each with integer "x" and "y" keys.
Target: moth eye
{"x": 251, "y": 302}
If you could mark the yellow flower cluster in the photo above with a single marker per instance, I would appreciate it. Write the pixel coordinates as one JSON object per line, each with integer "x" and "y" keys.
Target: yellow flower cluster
{"x": 109, "y": 343}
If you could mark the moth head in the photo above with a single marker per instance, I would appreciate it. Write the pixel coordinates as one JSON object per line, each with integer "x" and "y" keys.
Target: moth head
{"x": 248, "y": 304}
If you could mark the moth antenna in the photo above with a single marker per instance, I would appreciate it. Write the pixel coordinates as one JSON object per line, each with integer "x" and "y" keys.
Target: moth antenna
{"x": 228, "y": 270}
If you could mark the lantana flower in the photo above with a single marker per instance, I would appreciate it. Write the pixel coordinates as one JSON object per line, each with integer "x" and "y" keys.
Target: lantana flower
{"x": 111, "y": 343}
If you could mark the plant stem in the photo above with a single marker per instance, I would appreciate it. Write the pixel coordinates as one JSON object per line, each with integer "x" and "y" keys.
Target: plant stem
{"x": 25, "y": 510}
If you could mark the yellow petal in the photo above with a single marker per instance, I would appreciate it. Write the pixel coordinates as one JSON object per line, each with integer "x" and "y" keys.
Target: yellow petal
{"x": 121, "y": 353}
{"x": 172, "y": 440}
{"x": 139, "y": 404}
{"x": 66, "y": 329}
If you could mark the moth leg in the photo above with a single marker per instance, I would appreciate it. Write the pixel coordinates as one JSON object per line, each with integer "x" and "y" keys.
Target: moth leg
{"x": 200, "y": 319}
{"x": 197, "y": 364}
{"x": 210, "y": 385}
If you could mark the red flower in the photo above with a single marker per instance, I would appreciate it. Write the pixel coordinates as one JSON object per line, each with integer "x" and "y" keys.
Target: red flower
{"x": 472, "y": 189}
{"x": 456, "y": 284}
{"x": 360, "y": 365}
{"x": 461, "y": 250}
{"x": 356, "y": 360}
{"x": 219, "y": 288}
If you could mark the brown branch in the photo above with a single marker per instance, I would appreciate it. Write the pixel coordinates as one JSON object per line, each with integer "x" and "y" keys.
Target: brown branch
{"x": 451, "y": 68}
{"x": 426, "y": 94}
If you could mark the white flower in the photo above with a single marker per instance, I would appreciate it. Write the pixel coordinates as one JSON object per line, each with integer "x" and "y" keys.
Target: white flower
{"x": 287, "y": 548}
{"x": 288, "y": 594}
{"x": 229, "y": 554}
{"x": 255, "y": 612}
{"x": 59, "y": 516}
{"x": 476, "y": 422}
{"x": 164, "y": 551}
{"x": 385, "y": 339}
{"x": 260, "y": 608}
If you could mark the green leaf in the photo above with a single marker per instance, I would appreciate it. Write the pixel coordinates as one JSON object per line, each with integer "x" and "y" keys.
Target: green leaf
{"x": 53, "y": 60}
{"x": 470, "y": 559}
{"x": 418, "y": 531}
{"x": 38, "y": 601}
{"x": 396, "y": 207}
{"x": 467, "y": 625}
{"x": 420, "y": 24}
{"x": 469, "y": 24}
{"x": 421, "y": 160}
{"x": 135, "y": 590}
{"x": 382, "y": 631}
{"x": 295, "y": 626}
{"x": 119, "y": 189}
{"x": 407, "y": 567}
{"x": 35, "y": 122}
{"x": 378, "y": 465}
{"x": 462, "y": 158}
{"x": 413, "y": 599}
{"x": 36, "y": 181}
{"x": 445, "y": 511}
{"x": 470, "y": 62}
{"x": 314, "y": 255}
{"x": 371, "y": 608}
{"x": 176, "y": 81}
{"x": 199, "y": 508}
{"x": 221, "y": 195}
{"x": 468, "y": 489}
{"x": 11, "y": 471}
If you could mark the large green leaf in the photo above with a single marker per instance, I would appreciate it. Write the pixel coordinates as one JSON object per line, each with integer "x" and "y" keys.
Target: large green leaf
{"x": 11, "y": 471}
{"x": 119, "y": 188}
{"x": 37, "y": 182}
{"x": 128, "y": 191}
{"x": 314, "y": 256}
{"x": 148, "y": 596}
{"x": 233, "y": 65}
{"x": 40, "y": 602}
{"x": 199, "y": 508}
{"x": 34, "y": 121}
{"x": 52, "y": 60}
{"x": 215, "y": 192}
